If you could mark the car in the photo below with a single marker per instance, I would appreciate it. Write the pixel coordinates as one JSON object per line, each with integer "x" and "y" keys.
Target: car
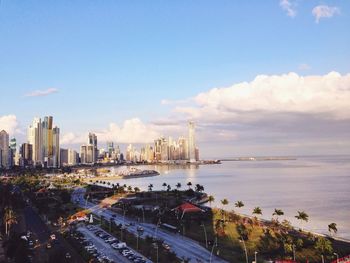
{"x": 48, "y": 245}
{"x": 68, "y": 256}
{"x": 140, "y": 228}
{"x": 166, "y": 246}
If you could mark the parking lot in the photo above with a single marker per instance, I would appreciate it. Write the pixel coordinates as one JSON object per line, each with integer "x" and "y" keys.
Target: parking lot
{"x": 106, "y": 248}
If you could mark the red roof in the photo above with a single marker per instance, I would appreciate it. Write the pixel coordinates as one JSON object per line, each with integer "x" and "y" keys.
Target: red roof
{"x": 187, "y": 207}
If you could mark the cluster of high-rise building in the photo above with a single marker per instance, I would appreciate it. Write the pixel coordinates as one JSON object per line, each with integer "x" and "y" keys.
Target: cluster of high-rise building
{"x": 167, "y": 149}
{"x": 42, "y": 149}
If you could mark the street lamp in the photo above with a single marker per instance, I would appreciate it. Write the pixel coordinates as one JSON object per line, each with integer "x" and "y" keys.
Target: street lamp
{"x": 336, "y": 254}
{"x": 293, "y": 252}
{"x": 245, "y": 249}
{"x": 255, "y": 253}
{"x": 205, "y": 235}
{"x": 212, "y": 249}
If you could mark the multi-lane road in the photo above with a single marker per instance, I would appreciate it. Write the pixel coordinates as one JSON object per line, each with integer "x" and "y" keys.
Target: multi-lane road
{"x": 182, "y": 246}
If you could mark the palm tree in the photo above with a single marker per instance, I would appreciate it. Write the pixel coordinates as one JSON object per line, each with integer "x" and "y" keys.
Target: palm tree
{"x": 211, "y": 199}
{"x": 178, "y": 186}
{"x": 164, "y": 185}
{"x": 332, "y": 227}
{"x": 257, "y": 211}
{"x": 224, "y": 202}
{"x": 302, "y": 216}
{"x": 150, "y": 187}
{"x": 189, "y": 184}
{"x": 129, "y": 188}
{"x": 277, "y": 213}
{"x": 239, "y": 204}
{"x": 199, "y": 188}
{"x": 136, "y": 189}
{"x": 10, "y": 218}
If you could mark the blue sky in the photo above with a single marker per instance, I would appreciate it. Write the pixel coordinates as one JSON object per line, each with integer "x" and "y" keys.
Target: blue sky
{"x": 112, "y": 61}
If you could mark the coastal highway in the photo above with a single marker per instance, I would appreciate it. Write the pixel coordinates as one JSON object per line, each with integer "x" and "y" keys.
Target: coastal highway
{"x": 182, "y": 246}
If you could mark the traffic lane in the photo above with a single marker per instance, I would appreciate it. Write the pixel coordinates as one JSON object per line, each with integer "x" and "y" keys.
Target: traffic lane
{"x": 41, "y": 231}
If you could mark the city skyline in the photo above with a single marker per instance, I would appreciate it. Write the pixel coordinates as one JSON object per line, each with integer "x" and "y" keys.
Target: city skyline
{"x": 252, "y": 87}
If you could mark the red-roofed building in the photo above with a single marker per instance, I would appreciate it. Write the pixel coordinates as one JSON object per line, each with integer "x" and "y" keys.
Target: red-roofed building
{"x": 187, "y": 208}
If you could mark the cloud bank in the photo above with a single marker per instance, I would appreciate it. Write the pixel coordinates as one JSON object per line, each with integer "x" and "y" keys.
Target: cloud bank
{"x": 288, "y": 93}
{"x": 40, "y": 93}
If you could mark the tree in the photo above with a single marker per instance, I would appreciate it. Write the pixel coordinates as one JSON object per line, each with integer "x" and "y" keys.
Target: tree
{"x": 189, "y": 184}
{"x": 332, "y": 227}
{"x": 164, "y": 185}
{"x": 129, "y": 188}
{"x": 136, "y": 189}
{"x": 211, "y": 199}
{"x": 150, "y": 187}
{"x": 199, "y": 188}
{"x": 277, "y": 213}
{"x": 257, "y": 211}
{"x": 224, "y": 202}
{"x": 302, "y": 216}
{"x": 239, "y": 204}
{"x": 178, "y": 186}
{"x": 324, "y": 246}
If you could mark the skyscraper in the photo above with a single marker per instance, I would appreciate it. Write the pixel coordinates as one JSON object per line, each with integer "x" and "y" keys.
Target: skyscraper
{"x": 35, "y": 138}
{"x": 4, "y": 149}
{"x": 191, "y": 142}
{"x": 93, "y": 141}
{"x": 45, "y": 142}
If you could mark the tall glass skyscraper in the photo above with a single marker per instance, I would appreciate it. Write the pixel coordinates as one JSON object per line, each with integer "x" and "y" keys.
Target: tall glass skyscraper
{"x": 191, "y": 142}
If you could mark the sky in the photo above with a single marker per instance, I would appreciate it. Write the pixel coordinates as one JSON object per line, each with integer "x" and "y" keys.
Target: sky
{"x": 257, "y": 77}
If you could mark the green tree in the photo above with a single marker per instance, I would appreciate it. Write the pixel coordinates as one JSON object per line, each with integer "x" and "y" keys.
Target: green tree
{"x": 189, "y": 184}
{"x": 332, "y": 227}
{"x": 178, "y": 186}
{"x": 257, "y": 211}
{"x": 324, "y": 246}
{"x": 164, "y": 185}
{"x": 302, "y": 216}
{"x": 150, "y": 187}
{"x": 136, "y": 189}
{"x": 277, "y": 213}
{"x": 211, "y": 199}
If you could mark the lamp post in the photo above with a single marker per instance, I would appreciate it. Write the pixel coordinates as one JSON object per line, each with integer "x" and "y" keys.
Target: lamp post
{"x": 212, "y": 249}
{"x": 245, "y": 249}
{"x": 336, "y": 254}
{"x": 293, "y": 252}
{"x": 255, "y": 253}
{"x": 322, "y": 257}
{"x": 205, "y": 235}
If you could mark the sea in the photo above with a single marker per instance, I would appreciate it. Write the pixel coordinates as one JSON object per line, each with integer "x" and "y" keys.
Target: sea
{"x": 318, "y": 185}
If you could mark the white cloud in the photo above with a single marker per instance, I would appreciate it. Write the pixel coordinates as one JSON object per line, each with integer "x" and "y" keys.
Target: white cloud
{"x": 289, "y": 6}
{"x": 40, "y": 93}
{"x": 324, "y": 11}
{"x": 304, "y": 66}
{"x": 10, "y": 124}
{"x": 287, "y": 93}
{"x": 131, "y": 131}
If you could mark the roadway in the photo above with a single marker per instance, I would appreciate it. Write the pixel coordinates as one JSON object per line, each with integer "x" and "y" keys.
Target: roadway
{"x": 182, "y": 246}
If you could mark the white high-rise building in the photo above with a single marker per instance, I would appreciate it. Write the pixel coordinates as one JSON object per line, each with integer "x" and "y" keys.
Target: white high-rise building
{"x": 45, "y": 142}
{"x": 35, "y": 138}
{"x": 4, "y": 149}
{"x": 191, "y": 142}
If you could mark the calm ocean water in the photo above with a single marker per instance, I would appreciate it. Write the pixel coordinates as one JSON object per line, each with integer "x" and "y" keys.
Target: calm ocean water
{"x": 318, "y": 185}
